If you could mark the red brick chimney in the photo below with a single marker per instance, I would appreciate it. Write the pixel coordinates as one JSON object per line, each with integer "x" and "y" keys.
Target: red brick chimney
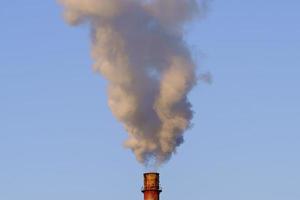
{"x": 151, "y": 187}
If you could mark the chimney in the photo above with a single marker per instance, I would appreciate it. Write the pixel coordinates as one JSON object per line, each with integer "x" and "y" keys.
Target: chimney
{"x": 151, "y": 187}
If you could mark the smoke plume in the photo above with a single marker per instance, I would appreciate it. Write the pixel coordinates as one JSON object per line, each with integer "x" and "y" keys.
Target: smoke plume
{"x": 139, "y": 47}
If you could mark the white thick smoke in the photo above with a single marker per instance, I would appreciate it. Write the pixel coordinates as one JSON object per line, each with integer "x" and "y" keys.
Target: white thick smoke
{"x": 138, "y": 46}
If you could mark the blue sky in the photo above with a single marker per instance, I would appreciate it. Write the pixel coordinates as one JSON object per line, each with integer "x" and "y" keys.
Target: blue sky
{"x": 58, "y": 139}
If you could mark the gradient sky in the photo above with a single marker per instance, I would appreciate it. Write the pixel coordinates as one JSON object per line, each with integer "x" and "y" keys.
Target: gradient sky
{"x": 58, "y": 139}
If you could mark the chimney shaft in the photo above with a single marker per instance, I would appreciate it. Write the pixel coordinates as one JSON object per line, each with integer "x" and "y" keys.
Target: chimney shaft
{"x": 151, "y": 187}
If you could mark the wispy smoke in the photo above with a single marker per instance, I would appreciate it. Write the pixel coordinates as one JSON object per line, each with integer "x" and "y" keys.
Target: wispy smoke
{"x": 138, "y": 46}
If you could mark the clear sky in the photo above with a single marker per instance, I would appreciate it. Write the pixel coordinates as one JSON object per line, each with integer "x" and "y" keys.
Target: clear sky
{"x": 58, "y": 139}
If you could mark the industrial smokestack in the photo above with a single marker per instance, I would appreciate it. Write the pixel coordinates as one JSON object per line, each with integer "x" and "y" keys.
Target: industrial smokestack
{"x": 151, "y": 187}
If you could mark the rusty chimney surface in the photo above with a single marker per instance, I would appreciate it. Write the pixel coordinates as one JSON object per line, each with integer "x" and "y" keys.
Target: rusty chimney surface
{"x": 151, "y": 188}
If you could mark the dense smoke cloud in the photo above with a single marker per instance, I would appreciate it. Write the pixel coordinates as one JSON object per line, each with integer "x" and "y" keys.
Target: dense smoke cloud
{"x": 138, "y": 46}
